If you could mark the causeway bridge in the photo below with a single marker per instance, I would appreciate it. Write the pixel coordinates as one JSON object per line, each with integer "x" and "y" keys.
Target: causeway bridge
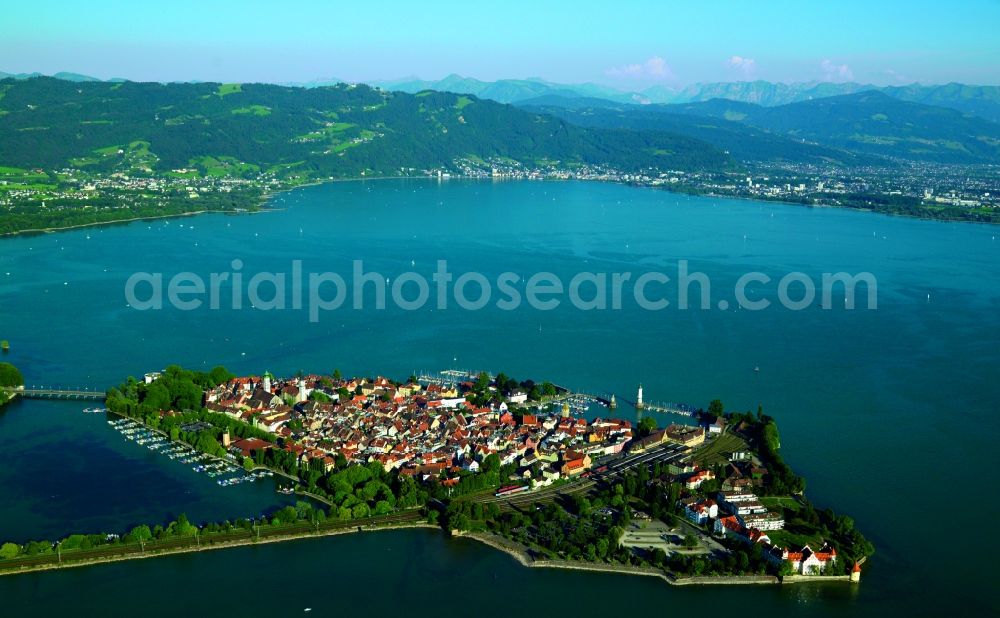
{"x": 56, "y": 393}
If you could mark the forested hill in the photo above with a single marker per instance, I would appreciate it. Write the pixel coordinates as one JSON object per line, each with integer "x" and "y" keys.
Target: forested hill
{"x": 339, "y": 130}
{"x": 856, "y": 129}
{"x": 745, "y": 143}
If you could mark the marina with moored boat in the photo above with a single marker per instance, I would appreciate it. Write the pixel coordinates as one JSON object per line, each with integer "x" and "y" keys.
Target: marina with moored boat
{"x": 226, "y": 473}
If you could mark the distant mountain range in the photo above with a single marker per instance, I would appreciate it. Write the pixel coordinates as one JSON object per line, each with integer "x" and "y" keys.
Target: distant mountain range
{"x": 64, "y": 75}
{"x": 983, "y": 101}
{"x": 513, "y": 90}
{"x": 869, "y": 122}
{"x": 848, "y": 129}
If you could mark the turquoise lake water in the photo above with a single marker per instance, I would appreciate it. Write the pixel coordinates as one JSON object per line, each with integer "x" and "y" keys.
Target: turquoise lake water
{"x": 888, "y": 413}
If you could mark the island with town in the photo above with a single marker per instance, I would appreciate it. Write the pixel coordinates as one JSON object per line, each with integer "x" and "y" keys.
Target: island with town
{"x": 547, "y": 475}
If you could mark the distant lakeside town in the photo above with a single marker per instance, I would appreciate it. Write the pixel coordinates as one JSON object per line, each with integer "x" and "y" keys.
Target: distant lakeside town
{"x": 550, "y": 476}
{"x": 38, "y": 200}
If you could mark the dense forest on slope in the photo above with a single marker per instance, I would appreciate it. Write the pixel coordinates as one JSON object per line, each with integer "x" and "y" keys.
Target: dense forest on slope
{"x": 341, "y": 130}
{"x": 744, "y": 143}
{"x": 853, "y": 129}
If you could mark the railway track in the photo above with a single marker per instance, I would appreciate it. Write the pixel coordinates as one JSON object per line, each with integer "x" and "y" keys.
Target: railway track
{"x": 610, "y": 471}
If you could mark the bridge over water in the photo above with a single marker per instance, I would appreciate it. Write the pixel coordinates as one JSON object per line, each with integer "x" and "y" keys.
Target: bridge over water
{"x": 55, "y": 393}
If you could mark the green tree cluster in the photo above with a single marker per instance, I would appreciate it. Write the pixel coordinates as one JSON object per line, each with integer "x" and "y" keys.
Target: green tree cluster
{"x": 10, "y": 376}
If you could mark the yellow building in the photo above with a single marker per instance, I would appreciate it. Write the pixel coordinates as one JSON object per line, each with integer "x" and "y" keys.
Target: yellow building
{"x": 683, "y": 434}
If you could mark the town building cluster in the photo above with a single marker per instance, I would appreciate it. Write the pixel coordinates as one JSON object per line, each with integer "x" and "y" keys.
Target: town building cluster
{"x": 736, "y": 512}
{"x": 425, "y": 430}
{"x": 124, "y": 188}
{"x": 435, "y": 431}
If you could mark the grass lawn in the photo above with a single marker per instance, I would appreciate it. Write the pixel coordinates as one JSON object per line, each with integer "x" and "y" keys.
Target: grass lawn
{"x": 327, "y": 132}
{"x": 795, "y": 541}
{"x": 342, "y": 146}
{"x": 776, "y": 503}
{"x": 16, "y": 171}
{"x": 225, "y": 89}
{"x": 187, "y": 174}
{"x": 29, "y": 186}
{"x": 255, "y": 110}
{"x": 281, "y": 168}
{"x": 223, "y": 166}
{"x": 138, "y": 147}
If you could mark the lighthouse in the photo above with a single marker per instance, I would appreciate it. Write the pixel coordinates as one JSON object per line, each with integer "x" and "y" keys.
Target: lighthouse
{"x": 638, "y": 399}
{"x": 856, "y": 573}
{"x": 612, "y": 403}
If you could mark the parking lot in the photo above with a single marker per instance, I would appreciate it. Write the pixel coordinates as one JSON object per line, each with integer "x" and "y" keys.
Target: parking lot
{"x": 650, "y": 534}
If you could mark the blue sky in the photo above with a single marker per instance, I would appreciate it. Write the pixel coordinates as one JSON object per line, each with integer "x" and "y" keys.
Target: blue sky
{"x": 622, "y": 44}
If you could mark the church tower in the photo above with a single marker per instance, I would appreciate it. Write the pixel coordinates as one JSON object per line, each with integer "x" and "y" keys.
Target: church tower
{"x": 303, "y": 394}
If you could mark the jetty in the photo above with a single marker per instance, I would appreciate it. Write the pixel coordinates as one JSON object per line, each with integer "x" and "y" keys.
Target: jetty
{"x": 669, "y": 408}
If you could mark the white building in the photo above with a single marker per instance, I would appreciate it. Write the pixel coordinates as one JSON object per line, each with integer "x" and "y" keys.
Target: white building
{"x": 747, "y": 508}
{"x": 765, "y": 521}
{"x": 737, "y": 495}
{"x": 805, "y": 561}
{"x": 701, "y": 512}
